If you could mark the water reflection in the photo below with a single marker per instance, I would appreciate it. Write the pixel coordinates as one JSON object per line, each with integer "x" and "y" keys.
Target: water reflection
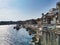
{"x": 9, "y": 36}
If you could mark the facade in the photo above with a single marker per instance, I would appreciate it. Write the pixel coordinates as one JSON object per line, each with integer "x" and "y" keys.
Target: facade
{"x": 51, "y": 27}
{"x": 47, "y": 28}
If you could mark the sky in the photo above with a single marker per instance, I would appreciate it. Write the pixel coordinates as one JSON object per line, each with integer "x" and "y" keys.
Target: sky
{"x": 14, "y": 10}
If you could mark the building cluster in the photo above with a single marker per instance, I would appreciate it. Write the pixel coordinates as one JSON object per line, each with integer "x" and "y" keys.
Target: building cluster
{"x": 46, "y": 29}
{"x": 51, "y": 26}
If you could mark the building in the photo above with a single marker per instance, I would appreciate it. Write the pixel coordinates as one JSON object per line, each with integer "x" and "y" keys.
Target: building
{"x": 51, "y": 26}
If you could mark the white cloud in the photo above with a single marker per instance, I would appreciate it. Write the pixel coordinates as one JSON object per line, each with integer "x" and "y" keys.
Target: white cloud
{"x": 4, "y": 2}
{"x": 7, "y": 13}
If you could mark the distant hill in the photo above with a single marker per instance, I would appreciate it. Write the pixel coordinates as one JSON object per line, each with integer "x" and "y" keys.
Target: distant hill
{"x": 31, "y": 21}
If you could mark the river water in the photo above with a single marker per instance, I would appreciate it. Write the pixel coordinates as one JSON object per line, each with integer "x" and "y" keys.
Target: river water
{"x": 10, "y": 36}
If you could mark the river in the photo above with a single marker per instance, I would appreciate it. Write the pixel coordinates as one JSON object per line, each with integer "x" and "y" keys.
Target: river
{"x": 10, "y": 36}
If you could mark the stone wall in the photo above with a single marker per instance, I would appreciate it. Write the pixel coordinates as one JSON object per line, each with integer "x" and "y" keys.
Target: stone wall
{"x": 50, "y": 38}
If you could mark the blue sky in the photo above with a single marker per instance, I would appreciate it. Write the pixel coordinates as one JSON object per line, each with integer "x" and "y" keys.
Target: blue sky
{"x": 24, "y": 9}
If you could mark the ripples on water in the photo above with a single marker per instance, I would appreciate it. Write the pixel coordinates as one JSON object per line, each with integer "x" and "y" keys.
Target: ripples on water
{"x": 9, "y": 36}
